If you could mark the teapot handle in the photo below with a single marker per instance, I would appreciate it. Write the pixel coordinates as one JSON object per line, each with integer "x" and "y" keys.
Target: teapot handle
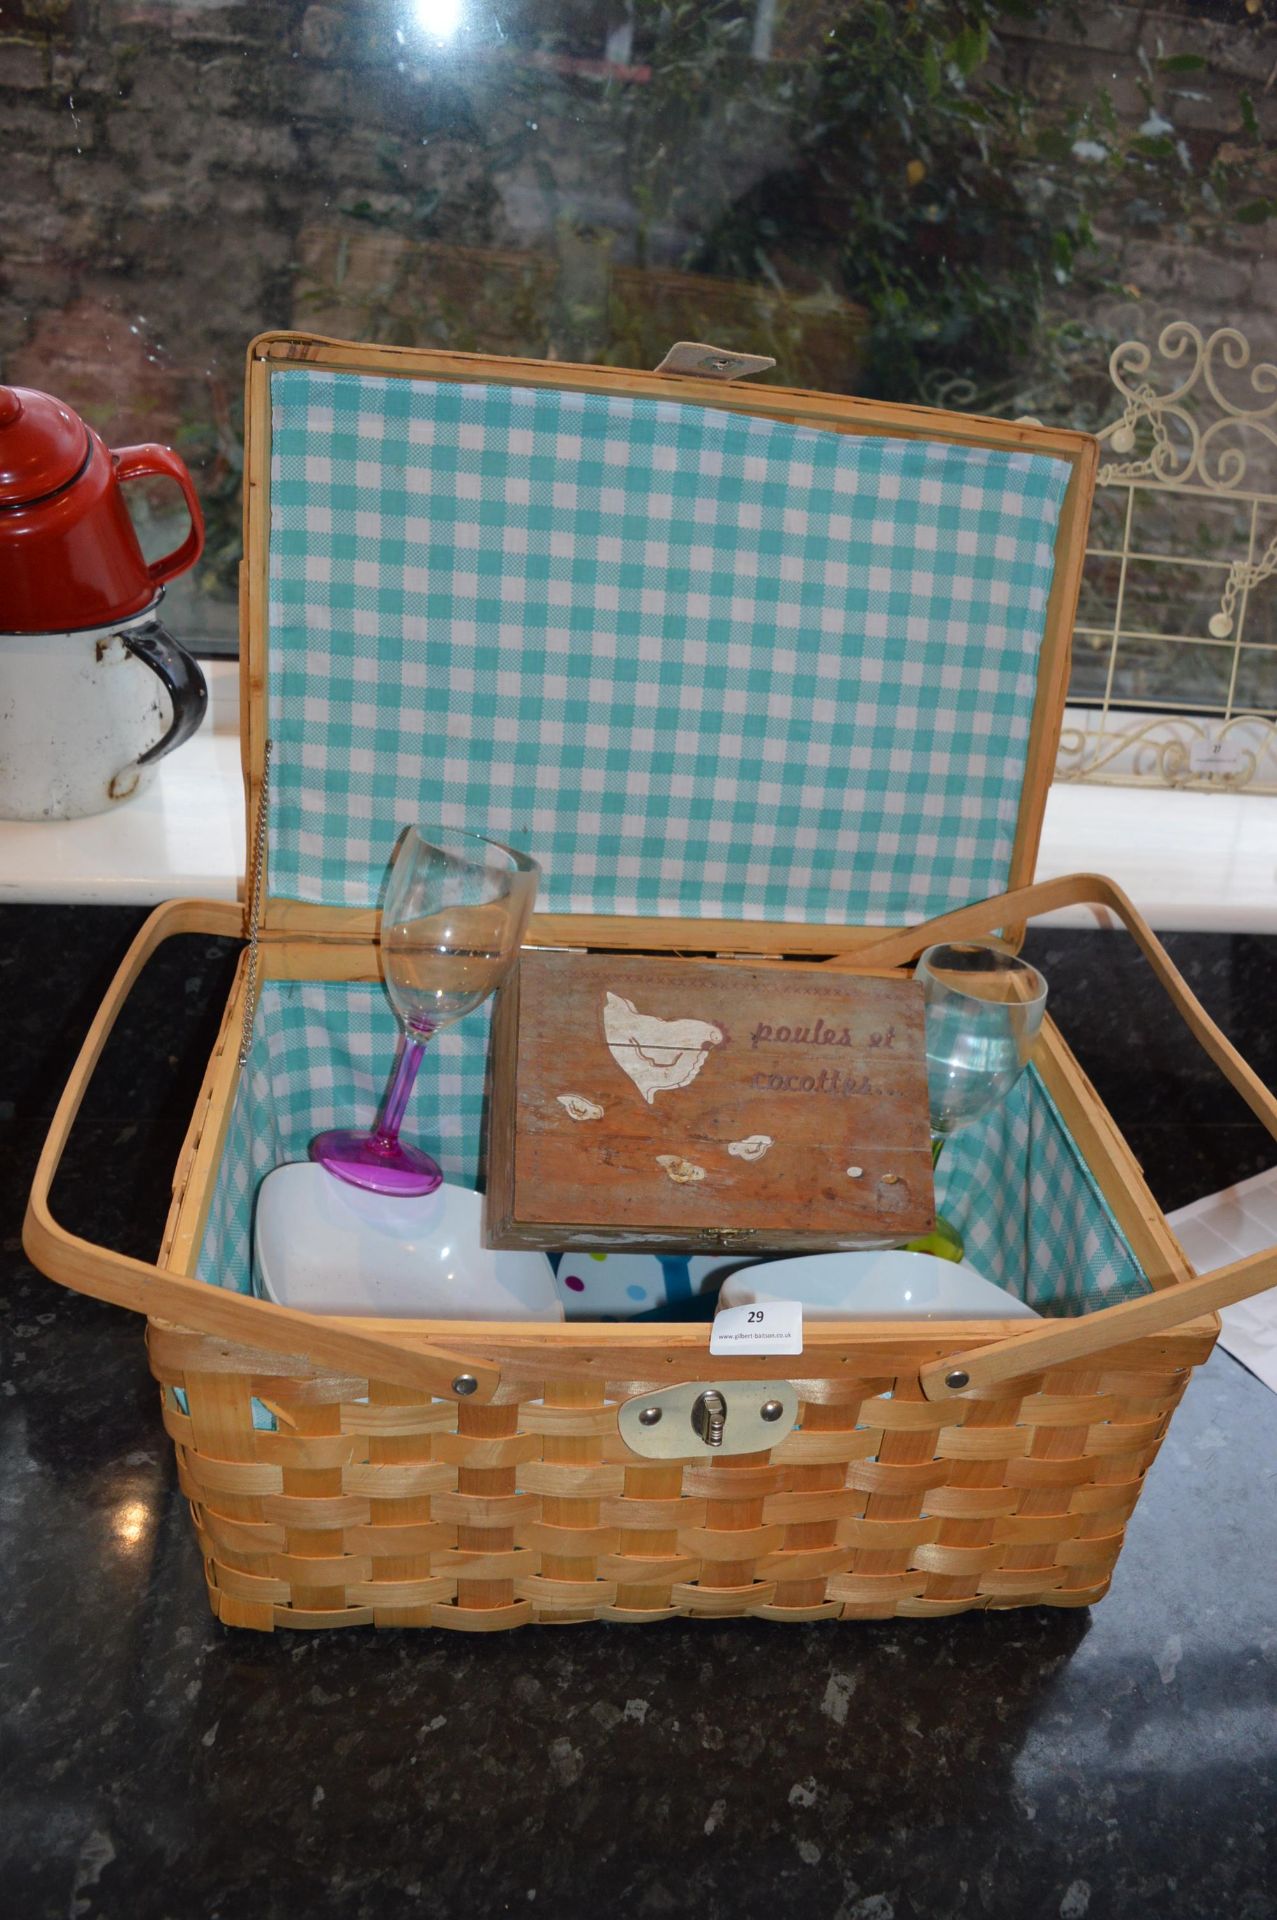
{"x": 133, "y": 463}
{"x": 155, "y": 646}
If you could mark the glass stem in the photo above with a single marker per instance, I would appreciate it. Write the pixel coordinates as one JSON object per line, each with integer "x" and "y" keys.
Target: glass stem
{"x": 937, "y": 1148}
{"x": 390, "y": 1118}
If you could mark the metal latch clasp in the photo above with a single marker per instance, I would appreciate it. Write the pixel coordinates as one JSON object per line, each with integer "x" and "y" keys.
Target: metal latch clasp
{"x": 702, "y": 1417}
{"x": 704, "y": 362}
{"x": 708, "y": 1416}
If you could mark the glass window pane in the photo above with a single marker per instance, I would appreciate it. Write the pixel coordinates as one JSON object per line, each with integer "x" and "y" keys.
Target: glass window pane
{"x": 1091, "y": 654}
{"x": 1171, "y": 673}
{"x": 1097, "y": 600}
{"x": 962, "y": 205}
{"x": 1257, "y": 619}
{"x": 1256, "y": 682}
{"x": 1162, "y": 597}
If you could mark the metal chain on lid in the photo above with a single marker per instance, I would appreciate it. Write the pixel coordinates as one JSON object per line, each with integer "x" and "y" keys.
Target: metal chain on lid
{"x": 1157, "y": 464}
{"x": 255, "y": 906}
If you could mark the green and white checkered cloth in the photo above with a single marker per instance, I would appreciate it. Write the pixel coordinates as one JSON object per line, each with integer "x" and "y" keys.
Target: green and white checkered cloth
{"x": 1015, "y": 1184}
{"x": 695, "y": 662}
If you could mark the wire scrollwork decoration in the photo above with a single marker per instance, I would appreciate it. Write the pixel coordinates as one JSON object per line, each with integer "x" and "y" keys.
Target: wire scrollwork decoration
{"x": 1205, "y": 457}
{"x": 1211, "y": 454}
{"x": 1161, "y": 748}
{"x": 1194, "y": 421}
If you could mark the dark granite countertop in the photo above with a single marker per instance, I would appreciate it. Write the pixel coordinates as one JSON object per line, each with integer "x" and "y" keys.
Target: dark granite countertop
{"x": 1121, "y": 1762}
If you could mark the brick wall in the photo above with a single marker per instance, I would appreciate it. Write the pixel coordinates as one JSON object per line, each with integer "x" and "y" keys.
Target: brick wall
{"x": 159, "y": 162}
{"x": 1206, "y": 277}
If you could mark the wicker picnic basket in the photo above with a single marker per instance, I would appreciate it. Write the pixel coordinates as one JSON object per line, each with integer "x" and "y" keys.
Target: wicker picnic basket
{"x": 752, "y": 672}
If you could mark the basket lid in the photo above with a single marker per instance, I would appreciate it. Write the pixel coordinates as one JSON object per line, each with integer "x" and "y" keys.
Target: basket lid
{"x": 724, "y": 654}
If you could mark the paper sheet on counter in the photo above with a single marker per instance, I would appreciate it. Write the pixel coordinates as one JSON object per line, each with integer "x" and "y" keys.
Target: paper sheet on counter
{"x": 1227, "y": 1226}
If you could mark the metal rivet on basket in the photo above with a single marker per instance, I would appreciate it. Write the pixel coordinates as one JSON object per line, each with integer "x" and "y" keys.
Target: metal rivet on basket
{"x": 649, "y": 1416}
{"x": 957, "y": 1379}
{"x": 772, "y": 1409}
{"x": 465, "y": 1383}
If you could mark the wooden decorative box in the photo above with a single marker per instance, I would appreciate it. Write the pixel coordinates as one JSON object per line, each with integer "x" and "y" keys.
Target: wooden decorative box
{"x": 641, "y": 1102}
{"x": 767, "y": 676}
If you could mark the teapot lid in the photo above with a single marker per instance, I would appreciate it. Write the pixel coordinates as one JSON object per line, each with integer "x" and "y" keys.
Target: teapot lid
{"x": 43, "y": 445}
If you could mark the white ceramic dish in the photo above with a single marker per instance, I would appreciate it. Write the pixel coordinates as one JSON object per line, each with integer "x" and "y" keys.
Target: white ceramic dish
{"x": 888, "y": 1285}
{"x": 328, "y": 1247}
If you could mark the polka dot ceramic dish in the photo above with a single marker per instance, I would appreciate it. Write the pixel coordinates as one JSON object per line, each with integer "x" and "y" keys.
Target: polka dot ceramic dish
{"x": 625, "y": 1286}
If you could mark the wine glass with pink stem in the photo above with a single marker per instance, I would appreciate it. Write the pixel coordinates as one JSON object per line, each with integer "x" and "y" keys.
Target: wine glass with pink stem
{"x": 455, "y": 913}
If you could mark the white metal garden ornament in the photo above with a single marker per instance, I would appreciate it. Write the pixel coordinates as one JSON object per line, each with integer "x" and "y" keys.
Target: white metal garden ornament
{"x": 1200, "y": 425}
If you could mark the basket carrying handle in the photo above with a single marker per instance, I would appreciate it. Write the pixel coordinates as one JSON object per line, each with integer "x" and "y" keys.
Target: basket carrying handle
{"x": 146, "y": 1288}
{"x": 1058, "y": 1341}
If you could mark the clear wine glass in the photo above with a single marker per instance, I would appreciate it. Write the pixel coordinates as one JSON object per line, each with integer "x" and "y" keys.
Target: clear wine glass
{"x": 454, "y": 917}
{"x": 983, "y": 1012}
{"x": 984, "y": 1009}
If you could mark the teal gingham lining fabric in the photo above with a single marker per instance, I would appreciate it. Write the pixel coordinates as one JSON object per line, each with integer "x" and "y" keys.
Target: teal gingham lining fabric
{"x": 1026, "y": 1203}
{"x": 697, "y": 663}
{"x": 1015, "y": 1184}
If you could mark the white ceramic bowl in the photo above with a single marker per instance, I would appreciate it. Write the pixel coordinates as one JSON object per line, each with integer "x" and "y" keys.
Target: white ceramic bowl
{"x": 887, "y": 1285}
{"x": 321, "y": 1244}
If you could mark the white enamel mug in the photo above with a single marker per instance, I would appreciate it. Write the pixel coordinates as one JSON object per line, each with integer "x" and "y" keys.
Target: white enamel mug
{"x": 84, "y": 717}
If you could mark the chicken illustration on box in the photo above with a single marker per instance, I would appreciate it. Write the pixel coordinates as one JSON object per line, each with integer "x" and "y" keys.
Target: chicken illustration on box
{"x": 658, "y": 1055}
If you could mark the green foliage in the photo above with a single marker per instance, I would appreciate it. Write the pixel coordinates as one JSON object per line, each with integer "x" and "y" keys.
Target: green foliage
{"x": 907, "y": 181}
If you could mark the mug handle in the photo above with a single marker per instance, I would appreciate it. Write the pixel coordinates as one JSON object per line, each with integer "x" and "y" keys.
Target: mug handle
{"x": 155, "y": 646}
{"x": 133, "y": 463}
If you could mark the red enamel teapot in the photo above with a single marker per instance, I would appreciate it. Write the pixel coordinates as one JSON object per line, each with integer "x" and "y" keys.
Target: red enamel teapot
{"x": 94, "y": 689}
{"x": 69, "y": 557}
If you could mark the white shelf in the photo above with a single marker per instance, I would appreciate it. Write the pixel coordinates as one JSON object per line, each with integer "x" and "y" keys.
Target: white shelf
{"x": 1188, "y": 860}
{"x": 184, "y": 836}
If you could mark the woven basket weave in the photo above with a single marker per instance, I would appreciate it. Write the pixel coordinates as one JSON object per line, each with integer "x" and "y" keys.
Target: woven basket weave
{"x": 401, "y": 1510}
